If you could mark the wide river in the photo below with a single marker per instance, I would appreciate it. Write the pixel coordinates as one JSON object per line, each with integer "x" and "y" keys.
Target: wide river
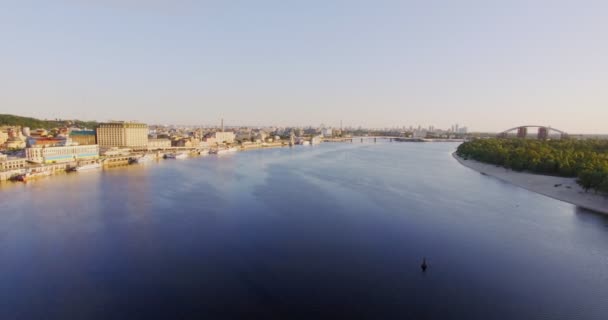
{"x": 336, "y": 230}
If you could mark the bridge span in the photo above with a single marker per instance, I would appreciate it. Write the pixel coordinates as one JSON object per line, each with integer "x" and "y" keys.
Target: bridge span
{"x": 543, "y": 132}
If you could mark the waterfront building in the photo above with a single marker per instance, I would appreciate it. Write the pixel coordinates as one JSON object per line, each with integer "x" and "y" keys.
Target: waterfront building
{"x": 327, "y": 133}
{"x": 61, "y": 154}
{"x": 159, "y": 143}
{"x": 11, "y": 163}
{"x": 224, "y": 137}
{"x": 189, "y": 142}
{"x": 210, "y": 140}
{"x": 83, "y": 137}
{"x": 261, "y": 136}
{"x": 419, "y": 134}
{"x": 122, "y": 134}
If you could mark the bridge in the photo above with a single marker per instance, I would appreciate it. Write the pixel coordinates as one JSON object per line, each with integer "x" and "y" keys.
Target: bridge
{"x": 359, "y": 138}
{"x": 542, "y": 134}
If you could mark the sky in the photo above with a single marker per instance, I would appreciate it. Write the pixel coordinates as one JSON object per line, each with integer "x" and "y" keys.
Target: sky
{"x": 489, "y": 65}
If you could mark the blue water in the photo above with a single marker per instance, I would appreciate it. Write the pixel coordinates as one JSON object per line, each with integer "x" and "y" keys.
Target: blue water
{"x": 336, "y": 230}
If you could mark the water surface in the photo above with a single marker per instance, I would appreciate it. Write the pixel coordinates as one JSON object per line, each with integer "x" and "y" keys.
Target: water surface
{"x": 336, "y": 230}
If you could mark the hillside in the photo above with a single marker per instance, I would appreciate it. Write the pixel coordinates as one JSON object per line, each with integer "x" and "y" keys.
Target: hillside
{"x": 33, "y": 123}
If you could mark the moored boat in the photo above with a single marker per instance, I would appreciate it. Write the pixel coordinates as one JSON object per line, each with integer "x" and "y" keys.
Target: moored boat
{"x": 182, "y": 155}
{"x": 86, "y": 167}
{"x": 224, "y": 151}
{"x": 143, "y": 159}
{"x": 24, "y": 177}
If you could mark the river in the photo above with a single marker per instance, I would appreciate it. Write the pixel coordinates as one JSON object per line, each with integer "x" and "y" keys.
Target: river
{"x": 335, "y": 230}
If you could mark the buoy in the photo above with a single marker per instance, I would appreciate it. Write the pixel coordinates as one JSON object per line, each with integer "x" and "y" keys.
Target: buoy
{"x": 423, "y": 266}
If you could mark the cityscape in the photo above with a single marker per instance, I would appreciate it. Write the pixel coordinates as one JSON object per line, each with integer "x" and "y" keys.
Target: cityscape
{"x": 304, "y": 160}
{"x": 37, "y": 152}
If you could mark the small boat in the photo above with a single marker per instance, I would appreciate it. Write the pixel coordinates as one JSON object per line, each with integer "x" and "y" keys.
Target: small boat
{"x": 24, "y": 177}
{"x": 424, "y": 265}
{"x": 21, "y": 177}
{"x": 182, "y": 155}
{"x": 143, "y": 159}
{"x": 87, "y": 167}
{"x": 224, "y": 151}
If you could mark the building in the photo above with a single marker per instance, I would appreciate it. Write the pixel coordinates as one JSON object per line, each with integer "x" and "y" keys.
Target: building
{"x": 419, "y": 134}
{"x": 186, "y": 142}
{"x": 11, "y": 163}
{"x": 159, "y": 143}
{"x": 35, "y": 141}
{"x": 61, "y": 154}
{"x": 122, "y": 134}
{"x": 3, "y": 137}
{"x": 224, "y": 137}
{"x": 327, "y": 132}
{"x": 83, "y": 137}
{"x": 14, "y": 140}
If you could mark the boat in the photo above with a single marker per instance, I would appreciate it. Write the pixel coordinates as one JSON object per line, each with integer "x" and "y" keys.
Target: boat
{"x": 86, "y": 167}
{"x": 24, "y": 177}
{"x": 424, "y": 265}
{"x": 224, "y": 151}
{"x": 143, "y": 159}
{"x": 182, "y": 155}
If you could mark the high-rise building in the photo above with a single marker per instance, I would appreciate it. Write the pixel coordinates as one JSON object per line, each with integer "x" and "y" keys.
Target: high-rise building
{"x": 122, "y": 134}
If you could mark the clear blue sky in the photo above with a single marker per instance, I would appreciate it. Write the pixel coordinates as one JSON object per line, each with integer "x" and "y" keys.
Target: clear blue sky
{"x": 486, "y": 64}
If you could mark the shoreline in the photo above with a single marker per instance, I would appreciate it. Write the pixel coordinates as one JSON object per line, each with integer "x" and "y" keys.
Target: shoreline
{"x": 123, "y": 160}
{"x": 558, "y": 188}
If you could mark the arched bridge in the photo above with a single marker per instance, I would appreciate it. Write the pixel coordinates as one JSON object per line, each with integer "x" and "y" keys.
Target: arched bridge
{"x": 543, "y": 132}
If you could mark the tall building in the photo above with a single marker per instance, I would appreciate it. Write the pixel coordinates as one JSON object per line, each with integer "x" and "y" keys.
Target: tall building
{"x": 122, "y": 134}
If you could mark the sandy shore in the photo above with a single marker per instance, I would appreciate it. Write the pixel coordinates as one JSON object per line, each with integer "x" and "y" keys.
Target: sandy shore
{"x": 564, "y": 189}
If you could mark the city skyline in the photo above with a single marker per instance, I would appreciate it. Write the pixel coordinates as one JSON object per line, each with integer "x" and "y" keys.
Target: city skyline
{"x": 375, "y": 64}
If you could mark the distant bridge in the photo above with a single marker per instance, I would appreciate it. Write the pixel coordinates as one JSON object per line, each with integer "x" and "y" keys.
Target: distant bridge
{"x": 542, "y": 134}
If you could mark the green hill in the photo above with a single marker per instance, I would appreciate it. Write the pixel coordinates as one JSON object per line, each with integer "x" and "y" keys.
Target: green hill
{"x": 33, "y": 123}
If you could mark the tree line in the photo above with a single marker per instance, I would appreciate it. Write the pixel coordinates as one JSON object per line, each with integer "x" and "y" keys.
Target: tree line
{"x": 33, "y": 123}
{"x": 585, "y": 159}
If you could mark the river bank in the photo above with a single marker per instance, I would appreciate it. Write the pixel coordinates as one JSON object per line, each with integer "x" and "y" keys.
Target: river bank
{"x": 559, "y": 188}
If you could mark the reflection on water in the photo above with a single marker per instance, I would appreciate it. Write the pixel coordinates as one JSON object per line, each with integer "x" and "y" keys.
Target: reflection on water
{"x": 336, "y": 230}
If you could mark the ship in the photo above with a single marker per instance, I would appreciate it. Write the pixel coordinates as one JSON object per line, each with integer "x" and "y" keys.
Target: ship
{"x": 182, "y": 155}
{"x": 223, "y": 151}
{"x": 24, "y": 177}
{"x": 87, "y": 167}
{"x": 143, "y": 159}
